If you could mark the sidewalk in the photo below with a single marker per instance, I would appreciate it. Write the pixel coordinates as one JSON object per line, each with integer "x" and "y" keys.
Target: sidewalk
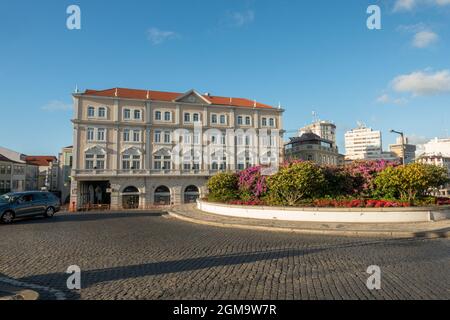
{"x": 434, "y": 229}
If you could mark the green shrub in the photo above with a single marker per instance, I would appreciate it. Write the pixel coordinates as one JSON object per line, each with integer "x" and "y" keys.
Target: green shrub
{"x": 223, "y": 187}
{"x": 295, "y": 183}
{"x": 409, "y": 182}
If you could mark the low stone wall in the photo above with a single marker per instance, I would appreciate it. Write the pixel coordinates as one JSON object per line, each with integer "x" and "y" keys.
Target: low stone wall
{"x": 344, "y": 215}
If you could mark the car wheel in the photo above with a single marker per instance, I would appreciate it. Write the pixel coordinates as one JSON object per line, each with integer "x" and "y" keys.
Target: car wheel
{"x": 50, "y": 212}
{"x": 7, "y": 217}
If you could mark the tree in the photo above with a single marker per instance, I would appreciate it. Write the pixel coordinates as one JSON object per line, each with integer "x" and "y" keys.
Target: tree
{"x": 295, "y": 182}
{"x": 410, "y": 181}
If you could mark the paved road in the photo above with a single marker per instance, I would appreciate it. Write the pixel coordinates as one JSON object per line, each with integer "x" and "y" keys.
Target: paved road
{"x": 149, "y": 256}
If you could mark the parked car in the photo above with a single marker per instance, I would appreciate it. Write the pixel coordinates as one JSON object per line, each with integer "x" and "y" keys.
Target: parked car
{"x": 27, "y": 204}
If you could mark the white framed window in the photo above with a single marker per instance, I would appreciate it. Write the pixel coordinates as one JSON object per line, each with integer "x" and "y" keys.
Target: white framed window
{"x": 137, "y": 114}
{"x": 167, "y": 137}
{"x": 136, "y": 162}
{"x": 187, "y": 117}
{"x": 196, "y": 138}
{"x": 90, "y": 134}
{"x": 126, "y": 135}
{"x": 126, "y": 162}
{"x": 94, "y": 161}
{"x": 127, "y": 114}
{"x": 247, "y": 121}
{"x": 157, "y": 137}
{"x": 91, "y": 112}
{"x": 196, "y": 117}
{"x": 102, "y": 112}
{"x": 223, "y": 119}
{"x": 89, "y": 163}
{"x": 157, "y": 165}
{"x": 239, "y": 120}
{"x": 167, "y": 116}
{"x": 136, "y": 135}
{"x": 272, "y": 122}
{"x": 101, "y": 134}
{"x": 158, "y": 115}
{"x": 214, "y": 118}
{"x": 264, "y": 122}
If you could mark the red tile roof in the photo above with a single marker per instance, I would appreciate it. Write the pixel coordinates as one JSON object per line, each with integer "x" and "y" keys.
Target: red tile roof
{"x": 41, "y": 161}
{"x": 171, "y": 96}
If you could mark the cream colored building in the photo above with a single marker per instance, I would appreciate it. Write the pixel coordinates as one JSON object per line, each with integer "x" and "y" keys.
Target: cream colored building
{"x": 140, "y": 148}
{"x": 363, "y": 144}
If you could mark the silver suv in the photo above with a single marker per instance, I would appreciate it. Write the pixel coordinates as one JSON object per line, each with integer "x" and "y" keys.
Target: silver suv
{"x": 27, "y": 204}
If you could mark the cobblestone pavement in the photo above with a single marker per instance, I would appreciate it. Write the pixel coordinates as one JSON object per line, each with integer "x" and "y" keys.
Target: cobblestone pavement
{"x": 151, "y": 256}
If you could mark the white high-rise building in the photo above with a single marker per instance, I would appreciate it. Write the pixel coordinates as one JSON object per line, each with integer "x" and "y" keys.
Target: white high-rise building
{"x": 363, "y": 143}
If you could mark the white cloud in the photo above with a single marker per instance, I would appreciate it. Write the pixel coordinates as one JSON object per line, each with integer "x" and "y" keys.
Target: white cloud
{"x": 409, "y": 5}
{"x": 422, "y": 83}
{"x": 404, "y": 5}
{"x": 57, "y": 105}
{"x": 387, "y": 99}
{"x": 239, "y": 19}
{"x": 423, "y": 39}
{"x": 157, "y": 36}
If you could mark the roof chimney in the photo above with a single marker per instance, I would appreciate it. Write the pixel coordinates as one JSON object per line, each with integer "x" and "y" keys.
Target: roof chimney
{"x": 115, "y": 93}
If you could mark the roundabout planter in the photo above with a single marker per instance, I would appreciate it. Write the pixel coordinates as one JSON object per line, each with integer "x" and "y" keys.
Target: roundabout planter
{"x": 344, "y": 215}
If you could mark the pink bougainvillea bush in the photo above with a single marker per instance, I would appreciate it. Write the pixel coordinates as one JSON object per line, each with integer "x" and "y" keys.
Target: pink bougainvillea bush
{"x": 251, "y": 184}
{"x": 365, "y": 172}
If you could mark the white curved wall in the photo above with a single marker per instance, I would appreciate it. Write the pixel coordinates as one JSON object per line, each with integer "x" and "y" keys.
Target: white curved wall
{"x": 354, "y": 215}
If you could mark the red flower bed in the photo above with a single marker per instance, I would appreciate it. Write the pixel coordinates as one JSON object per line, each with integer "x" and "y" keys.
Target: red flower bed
{"x": 247, "y": 203}
{"x": 443, "y": 201}
{"x": 358, "y": 203}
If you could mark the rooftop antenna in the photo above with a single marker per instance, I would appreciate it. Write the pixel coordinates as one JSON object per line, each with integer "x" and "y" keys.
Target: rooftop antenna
{"x": 360, "y": 124}
{"x": 279, "y": 105}
{"x": 315, "y": 117}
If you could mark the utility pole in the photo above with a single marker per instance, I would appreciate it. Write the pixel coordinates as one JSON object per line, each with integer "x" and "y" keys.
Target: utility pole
{"x": 403, "y": 145}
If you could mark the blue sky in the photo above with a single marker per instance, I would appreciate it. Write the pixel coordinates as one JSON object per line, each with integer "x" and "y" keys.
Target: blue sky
{"x": 309, "y": 55}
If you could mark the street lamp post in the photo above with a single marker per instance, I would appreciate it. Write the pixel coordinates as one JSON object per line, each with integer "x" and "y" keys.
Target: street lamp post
{"x": 403, "y": 144}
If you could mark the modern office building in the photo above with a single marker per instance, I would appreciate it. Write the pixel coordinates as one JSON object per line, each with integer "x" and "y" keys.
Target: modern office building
{"x": 140, "y": 148}
{"x": 363, "y": 144}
